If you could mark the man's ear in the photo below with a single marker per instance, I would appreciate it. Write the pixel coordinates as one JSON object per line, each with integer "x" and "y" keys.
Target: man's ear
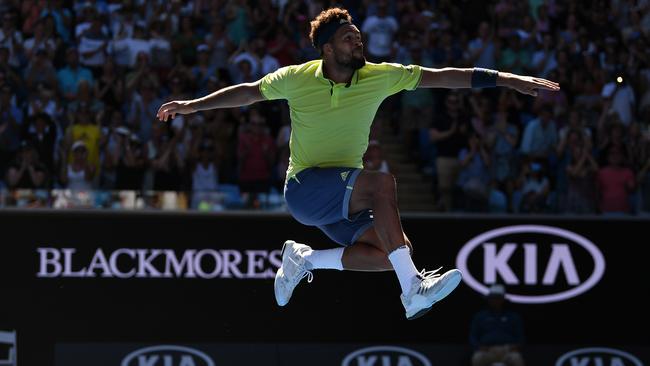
{"x": 328, "y": 49}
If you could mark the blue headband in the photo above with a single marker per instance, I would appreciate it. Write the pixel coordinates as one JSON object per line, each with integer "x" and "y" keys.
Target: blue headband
{"x": 327, "y": 31}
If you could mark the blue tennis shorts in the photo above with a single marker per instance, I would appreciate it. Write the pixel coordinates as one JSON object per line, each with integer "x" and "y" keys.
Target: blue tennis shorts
{"x": 321, "y": 197}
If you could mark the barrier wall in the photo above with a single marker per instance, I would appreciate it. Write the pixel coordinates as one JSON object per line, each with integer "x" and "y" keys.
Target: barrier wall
{"x": 108, "y": 283}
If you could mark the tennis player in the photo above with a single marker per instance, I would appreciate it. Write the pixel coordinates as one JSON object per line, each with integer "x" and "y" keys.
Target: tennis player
{"x": 333, "y": 101}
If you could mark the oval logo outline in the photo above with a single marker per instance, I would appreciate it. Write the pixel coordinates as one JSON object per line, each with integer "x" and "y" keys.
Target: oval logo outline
{"x": 596, "y": 255}
{"x": 612, "y": 351}
{"x": 348, "y": 359}
{"x": 195, "y": 352}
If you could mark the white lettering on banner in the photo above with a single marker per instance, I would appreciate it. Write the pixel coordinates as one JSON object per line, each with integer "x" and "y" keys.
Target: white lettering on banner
{"x": 530, "y": 252}
{"x": 186, "y": 261}
{"x": 230, "y": 266}
{"x": 145, "y": 268}
{"x": 598, "y": 356}
{"x": 126, "y": 263}
{"x": 385, "y": 356}
{"x": 498, "y": 262}
{"x": 198, "y": 263}
{"x": 49, "y": 257}
{"x": 167, "y": 355}
{"x": 147, "y": 361}
{"x": 67, "y": 271}
{"x": 99, "y": 262}
{"x": 497, "y": 256}
{"x": 561, "y": 256}
{"x": 113, "y": 263}
{"x": 255, "y": 262}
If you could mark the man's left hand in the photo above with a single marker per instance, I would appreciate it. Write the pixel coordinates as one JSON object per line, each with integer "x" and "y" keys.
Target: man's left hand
{"x": 526, "y": 84}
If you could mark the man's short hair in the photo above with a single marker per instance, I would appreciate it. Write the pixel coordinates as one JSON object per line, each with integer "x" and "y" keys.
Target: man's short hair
{"x": 326, "y": 17}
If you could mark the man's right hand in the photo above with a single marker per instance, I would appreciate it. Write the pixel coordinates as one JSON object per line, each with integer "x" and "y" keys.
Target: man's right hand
{"x": 174, "y": 107}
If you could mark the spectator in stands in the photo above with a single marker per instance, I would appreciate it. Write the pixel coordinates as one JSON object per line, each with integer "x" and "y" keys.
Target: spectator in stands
{"x": 219, "y": 44}
{"x": 84, "y": 128}
{"x": 70, "y": 76}
{"x": 93, "y": 44}
{"x": 256, "y": 153}
{"x": 127, "y": 49}
{"x": 202, "y": 70}
{"x": 482, "y": 50}
{"x": 502, "y": 138}
{"x": 61, "y": 17}
{"x": 496, "y": 333}
{"x": 514, "y": 58}
{"x": 205, "y": 174}
{"x": 9, "y": 76}
{"x": 543, "y": 60}
{"x": 128, "y": 154}
{"x": 380, "y": 30}
{"x": 165, "y": 159}
{"x": 77, "y": 175}
{"x": 449, "y": 132}
{"x": 185, "y": 42}
{"x": 534, "y": 188}
{"x": 109, "y": 88}
{"x": 142, "y": 73}
{"x": 417, "y": 109}
{"x": 44, "y": 100}
{"x": 40, "y": 70}
{"x": 540, "y": 136}
{"x": 142, "y": 110}
{"x": 474, "y": 177}
{"x": 643, "y": 176}
{"x": 84, "y": 98}
{"x": 11, "y": 38}
{"x": 42, "y": 134}
{"x": 581, "y": 172}
{"x": 616, "y": 183}
{"x": 621, "y": 97}
{"x": 282, "y": 46}
{"x": 11, "y": 119}
{"x": 27, "y": 171}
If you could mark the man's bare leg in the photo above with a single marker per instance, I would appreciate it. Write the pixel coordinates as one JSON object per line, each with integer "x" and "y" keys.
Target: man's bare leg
{"x": 368, "y": 254}
{"x": 378, "y": 191}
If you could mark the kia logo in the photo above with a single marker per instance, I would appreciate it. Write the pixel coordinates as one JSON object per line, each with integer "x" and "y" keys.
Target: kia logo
{"x": 167, "y": 355}
{"x": 600, "y": 356}
{"x": 385, "y": 356}
{"x": 545, "y": 256}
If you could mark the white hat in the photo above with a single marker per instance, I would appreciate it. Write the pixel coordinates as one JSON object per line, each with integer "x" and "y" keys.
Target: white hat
{"x": 79, "y": 144}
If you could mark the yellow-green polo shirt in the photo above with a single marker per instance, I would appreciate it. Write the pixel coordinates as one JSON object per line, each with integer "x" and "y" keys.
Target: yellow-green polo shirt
{"x": 330, "y": 122}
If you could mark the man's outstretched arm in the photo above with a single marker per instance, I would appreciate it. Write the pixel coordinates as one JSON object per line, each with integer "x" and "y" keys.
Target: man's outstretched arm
{"x": 228, "y": 97}
{"x": 455, "y": 78}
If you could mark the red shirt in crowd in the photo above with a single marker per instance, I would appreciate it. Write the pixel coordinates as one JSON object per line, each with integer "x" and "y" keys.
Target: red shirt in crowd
{"x": 255, "y": 156}
{"x": 615, "y": 185}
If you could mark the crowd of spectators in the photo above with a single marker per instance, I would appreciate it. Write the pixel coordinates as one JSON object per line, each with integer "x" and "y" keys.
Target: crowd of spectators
{"x": 81, "y": 81}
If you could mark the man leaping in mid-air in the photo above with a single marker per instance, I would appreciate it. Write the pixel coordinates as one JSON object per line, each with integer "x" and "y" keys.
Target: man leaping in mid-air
{"x": 333, "y": 102}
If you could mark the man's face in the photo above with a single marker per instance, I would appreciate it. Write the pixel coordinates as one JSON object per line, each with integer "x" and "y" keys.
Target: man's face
{"x": 348, "y": 48}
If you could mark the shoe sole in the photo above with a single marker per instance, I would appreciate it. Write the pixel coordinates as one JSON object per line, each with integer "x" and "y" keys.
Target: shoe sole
{"x": 449, "y": 287}
{"x": 279, "y": 274}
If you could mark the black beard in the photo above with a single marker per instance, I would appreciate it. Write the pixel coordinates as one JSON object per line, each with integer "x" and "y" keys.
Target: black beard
{"x": 351, "y": 62}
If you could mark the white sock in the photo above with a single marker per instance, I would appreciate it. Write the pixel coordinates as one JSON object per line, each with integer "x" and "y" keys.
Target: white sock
{"x": 404, "y": 267}
{"x": 325, "y": 259}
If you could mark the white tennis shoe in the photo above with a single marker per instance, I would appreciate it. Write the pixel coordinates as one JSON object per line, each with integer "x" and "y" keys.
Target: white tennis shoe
{"x": 427, "y": 288}
{"x": 292, "y": 271}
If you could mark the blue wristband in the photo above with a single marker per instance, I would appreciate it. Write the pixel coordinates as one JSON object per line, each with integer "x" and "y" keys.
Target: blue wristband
{"x": 484, "y": 78}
